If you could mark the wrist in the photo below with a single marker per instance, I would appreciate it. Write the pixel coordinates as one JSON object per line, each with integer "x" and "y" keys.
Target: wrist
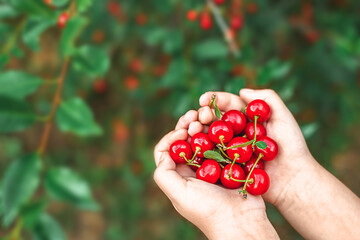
{"x": 257, "y": 227}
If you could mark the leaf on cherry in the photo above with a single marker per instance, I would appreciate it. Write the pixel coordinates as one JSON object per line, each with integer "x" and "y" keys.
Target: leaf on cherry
{"x": 261, "y": 144}
{"x": 217, "y": 111}
{"x": 215, "y": 156}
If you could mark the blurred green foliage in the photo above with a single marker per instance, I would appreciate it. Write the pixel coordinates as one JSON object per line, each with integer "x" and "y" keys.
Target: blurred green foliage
{"x": 135, "y": 67}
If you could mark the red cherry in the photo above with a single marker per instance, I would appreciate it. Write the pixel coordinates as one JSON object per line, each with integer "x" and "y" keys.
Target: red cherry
{"x": 180, "y": 149}
{"x": 197, "y": 161}
{"x": 249, "y": 164}
{"x": 205, "y": 21}
{"x": 237, "y": 22}
{"x": 131, "y": 82}
{"x": 236, "y": 172}
{"x": 244, "y": 153}
{"x": 209, "y": 171}
{"x": 252, "y": 7}
{"x": 258, "y": 108}
{"x": 219, "y": 2}
{"x": 271, "y": 150}
{"x": 220, "y": 131}
{"x": 63, "y": 19}
{"x": 141, "y": 19}
{"x": 191, "y": 15}
{"x": 203, "y": 141}
{"x": 114, "y": 8}
{"x": 261, "y": 182}
{"x": 236, "y": 119}
{"x": 250, "y": 130}
{"x": 99, "y": 86}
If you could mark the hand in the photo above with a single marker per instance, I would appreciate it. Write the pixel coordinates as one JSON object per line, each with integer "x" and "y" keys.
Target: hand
{"x": 293, "y": 156}
{"x": 218, "y": 212}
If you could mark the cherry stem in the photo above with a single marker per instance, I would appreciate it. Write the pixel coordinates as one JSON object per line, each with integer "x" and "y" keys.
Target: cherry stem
{"x": 255, "y": 124}
{"x": 182, "y": 154}
{"x": 222, "y": 151}
{"x": 232, "y": 164}
{"x": 251, "y": 180}
{"x": 221, "y": 138}
{"x": 212, "y": 100}
{"x": 193, "y": 164}
{"x": 248, "y": 176}
{"x": 241, "y": 145}
{"x": 198, "y": 149}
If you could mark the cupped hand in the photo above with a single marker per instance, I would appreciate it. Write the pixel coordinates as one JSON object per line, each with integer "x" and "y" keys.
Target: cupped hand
{"x": 218, "y": 212}
{"x": 293, "y": 155}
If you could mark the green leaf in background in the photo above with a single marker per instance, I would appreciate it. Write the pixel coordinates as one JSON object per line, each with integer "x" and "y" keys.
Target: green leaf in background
{"x": 174, "y": 42}
{"x": 66, "y": 185}
{"x": 15, "y": 115}
{"x": 32, "y": 7}
{"x": 215, "y": 156}
{"x": 156, "y": 36}
{"x": 83, "y": 5}
{"x": 18, "y": 85}
{"x": 31, "y": 213}
{"x": 6, "y": 11}
{"x": 19, "y": 184}
{"x": 175, "y": 75}
{"x": 32, "y": 31}
{"x": 48, "y": 229}
{"x": 59, "y": 3}
{"x": 235, "y": 84}
{"x": 261, "y": 144}
{"x": 93, "y": 61}
{"x": 211, "y": 49}
{"x": 72, "y": 30}
{"x": 309, "y": 130}
{"x": 273, "y": 70}
{"x": 75, "y": 116}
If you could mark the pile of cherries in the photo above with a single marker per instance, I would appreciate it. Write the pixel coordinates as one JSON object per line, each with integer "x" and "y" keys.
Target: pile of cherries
{"x": 234, "y": 151}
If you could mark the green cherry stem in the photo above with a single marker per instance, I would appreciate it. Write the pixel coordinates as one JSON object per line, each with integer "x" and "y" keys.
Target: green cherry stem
{"x": 255, "y": 123}
{"x": 193, "y": 164}
{"x": 212, "y": 100}
{"x": 251, "y": 180}
{"x": 248, "y": 176}
{"x": 222, "y": 151}
{"x": 221, "y": 138}
{"x": 232, "y": 164}
{"x": 198, "y": 149}
{"x": 182, "y": 154}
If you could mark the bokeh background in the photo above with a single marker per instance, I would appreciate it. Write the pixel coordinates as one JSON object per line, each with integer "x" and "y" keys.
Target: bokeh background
{"x": 139, "y": 65}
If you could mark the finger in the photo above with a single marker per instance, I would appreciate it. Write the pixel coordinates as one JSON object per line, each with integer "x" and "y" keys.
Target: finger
{"x": 186, "y": 119}
{"x": 271, "y": 98}
{"x": 185, "y": 171}
{"x": 195, "y": 127}
{"x": 225, "y": 101}
{"x": 168, "y": 179}
{"x": 164, "y": 144}
{"x": 206, "y": 115}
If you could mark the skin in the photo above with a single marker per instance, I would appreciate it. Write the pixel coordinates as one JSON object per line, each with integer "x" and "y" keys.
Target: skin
{"x": 198, "y": 201}
{"x": 313, "y": 201}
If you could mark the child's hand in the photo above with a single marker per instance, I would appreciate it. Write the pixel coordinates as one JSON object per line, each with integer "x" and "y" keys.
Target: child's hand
{"x": 293, "y": 157}
{"x": 220, "y": 213}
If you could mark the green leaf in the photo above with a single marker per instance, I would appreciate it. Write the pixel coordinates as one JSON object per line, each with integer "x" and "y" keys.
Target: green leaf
{"x": 59, "y": 3}
{"x": 48, "y": 229}
{"x": 211, "y": 49}
{"x": 6, "y": 11}
{"x": 32, "y": 31}
{"x": 234, "y": 85}
{"x": 174, "y": 77}
{"x": 215, "y": 156}
{"x": 65, "y": 185}
{"x": 69, "y": 35}
{"x": 174, "y": 42}
{"x": 32, "y": 7}
{"x": 31, "y": 213}
{"x": 18, "y": 85}
{"x": 273, "y": 70}
{"x": 19, "y": 184}
{"x": 75, "y": 116}
{"x": 261, "y": 144}
{"x": 83, "y": 5}
{"x": 91, "y": 60}
{"x": 156, "y": 36}
{"x": 217, "y": 111}
{"x": 15, "y": 115}
{"x": 309, "y": 130}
